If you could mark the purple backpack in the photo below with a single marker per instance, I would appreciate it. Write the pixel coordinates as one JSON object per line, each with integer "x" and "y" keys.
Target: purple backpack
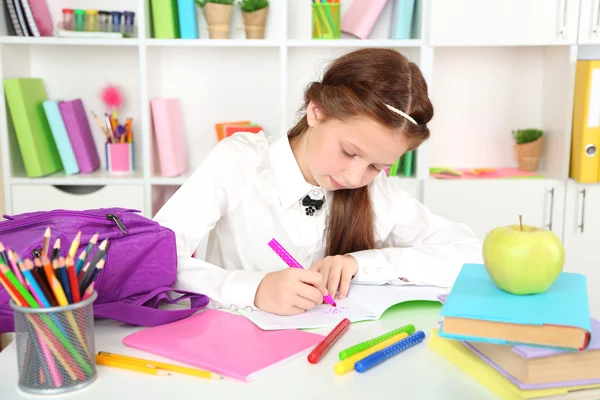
{"x": 140, "y": 268}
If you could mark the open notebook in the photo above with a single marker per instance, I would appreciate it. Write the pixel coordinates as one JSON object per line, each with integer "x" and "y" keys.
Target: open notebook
{"x": 224, "y": 343}
{"x": 364, "y": 302}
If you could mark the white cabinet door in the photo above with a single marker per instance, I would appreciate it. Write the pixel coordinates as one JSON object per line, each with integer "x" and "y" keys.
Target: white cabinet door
{"x": 486, "y": 204}
{"x": 505, "y": 22}
{"x": 589, "y": 22}
{"x": 582, "y": 237}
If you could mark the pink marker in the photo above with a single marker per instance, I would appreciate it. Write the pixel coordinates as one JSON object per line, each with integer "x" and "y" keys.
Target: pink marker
{"x": 292, "y": 263}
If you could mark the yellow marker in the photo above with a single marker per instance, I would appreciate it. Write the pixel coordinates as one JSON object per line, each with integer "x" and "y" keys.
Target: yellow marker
{"x": 347, "y": 364}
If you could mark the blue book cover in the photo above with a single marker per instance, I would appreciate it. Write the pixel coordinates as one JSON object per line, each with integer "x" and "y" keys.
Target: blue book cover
{"x": 188, "y": 27}
{"x": 475, "y": 296}
{"x": 402, "y": 19}
{"x": 61, "y": 138}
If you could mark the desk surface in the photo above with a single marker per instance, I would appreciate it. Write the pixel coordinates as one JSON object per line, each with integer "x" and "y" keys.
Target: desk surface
{"x": 417, "y": 373}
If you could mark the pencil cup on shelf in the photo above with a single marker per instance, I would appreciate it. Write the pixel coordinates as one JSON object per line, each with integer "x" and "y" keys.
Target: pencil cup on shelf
{"x": 119, "y": 157}
{"x": 55, "y": 347}
{"x": 326, "y": 21}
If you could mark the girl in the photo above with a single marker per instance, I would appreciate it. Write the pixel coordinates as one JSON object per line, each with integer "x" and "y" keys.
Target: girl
{"x": 322, "y": 193}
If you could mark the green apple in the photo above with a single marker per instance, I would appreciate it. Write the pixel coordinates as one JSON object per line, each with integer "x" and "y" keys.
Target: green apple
{"x": 523, "y": 259}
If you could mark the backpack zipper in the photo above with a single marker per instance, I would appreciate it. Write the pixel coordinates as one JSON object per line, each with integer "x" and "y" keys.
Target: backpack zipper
{"x": 106, "y": 219}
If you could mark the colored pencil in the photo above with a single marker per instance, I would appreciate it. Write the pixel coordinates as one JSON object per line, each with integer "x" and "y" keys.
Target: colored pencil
{"x": 13, "y": 264}
{"x": 73, "y": 283}
{"x": 75, "y": 245}
{"x": 39, "y": 275}
{"x": 61, "y": 272}
{"x": 55, "y": 286}
{"x": 80, "y": 261}
{"x": 28, "y": 300}
{"x": 109, "y": 362}
{"x": 33, "y": 284}
{"x": 90, "y": 246}
{"x": 55, "y": 250}
{"x": 46, "y": 242}
{"x": 89, "y": 279}
{"x": 159, "y": 365}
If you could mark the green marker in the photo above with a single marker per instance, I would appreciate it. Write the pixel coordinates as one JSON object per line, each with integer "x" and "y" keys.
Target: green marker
{"x": 409, "y": 329}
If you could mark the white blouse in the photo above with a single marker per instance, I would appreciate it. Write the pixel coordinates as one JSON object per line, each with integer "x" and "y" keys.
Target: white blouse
{"x": 250, "y": 190}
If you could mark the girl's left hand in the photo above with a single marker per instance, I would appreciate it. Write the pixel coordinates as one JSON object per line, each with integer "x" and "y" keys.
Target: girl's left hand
{"x": 337, "y": 273}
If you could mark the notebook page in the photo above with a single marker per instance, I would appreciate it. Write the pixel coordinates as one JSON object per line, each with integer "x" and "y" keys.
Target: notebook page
{"x": 364, "y": 302}
{"x": 322, "y": 316}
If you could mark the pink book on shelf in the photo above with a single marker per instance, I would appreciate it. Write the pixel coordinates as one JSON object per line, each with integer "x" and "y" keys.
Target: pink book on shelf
{"x": 169, "y": 136}
{"x": 41, "y": 16}
{"x": 80, "y": 135}
{"x": 361, "y": 17}
{"x": 224, "y": 343}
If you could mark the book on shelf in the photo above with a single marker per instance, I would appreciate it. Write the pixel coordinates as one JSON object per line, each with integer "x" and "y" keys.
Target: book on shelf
{"x": 165, "y": 19}
{"x": 169, "y": 136}
{"x": 24, "y": 97}
{"x": 80, "y": 134}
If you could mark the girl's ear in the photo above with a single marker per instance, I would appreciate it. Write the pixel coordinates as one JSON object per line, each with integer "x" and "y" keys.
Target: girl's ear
{"x": 313, "y": 114}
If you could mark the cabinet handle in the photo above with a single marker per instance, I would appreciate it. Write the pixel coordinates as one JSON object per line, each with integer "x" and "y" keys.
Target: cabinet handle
{"x": 580, "y": 226}
{"x": 551, "y": 208}
{"x": 563, "y": 25}
{"x": 596, "y": 30}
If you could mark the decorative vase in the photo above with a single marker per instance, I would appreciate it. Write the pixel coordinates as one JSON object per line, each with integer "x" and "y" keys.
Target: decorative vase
{"x": 255, "y": 22}
{"x": 528, "y": 155}
{"x": 218, "y": 18}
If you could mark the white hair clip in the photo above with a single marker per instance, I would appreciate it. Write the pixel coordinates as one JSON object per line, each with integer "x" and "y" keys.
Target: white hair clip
{"x": 405, "y": 115}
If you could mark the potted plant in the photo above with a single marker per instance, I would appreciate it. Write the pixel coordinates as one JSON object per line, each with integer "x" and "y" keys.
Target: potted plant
{"x": 528, "y": 148}
{"x": 254, "y": 13}
{"x": 218, "y": 17}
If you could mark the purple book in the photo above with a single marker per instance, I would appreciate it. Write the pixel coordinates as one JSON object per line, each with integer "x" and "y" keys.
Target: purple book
{"x": 80, "y": 134}
{"x": 530, "y": 352}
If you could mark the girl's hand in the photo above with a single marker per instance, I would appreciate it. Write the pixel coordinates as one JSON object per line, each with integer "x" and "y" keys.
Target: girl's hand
{"x": 290, "y": 291}
{"x": 337, "y": 272}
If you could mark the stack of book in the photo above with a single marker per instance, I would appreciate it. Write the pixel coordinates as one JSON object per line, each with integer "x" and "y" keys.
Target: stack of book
{"x": 521, "y": 347}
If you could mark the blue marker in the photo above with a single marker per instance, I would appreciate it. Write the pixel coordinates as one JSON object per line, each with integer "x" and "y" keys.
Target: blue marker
{"x": 377, "y": 358}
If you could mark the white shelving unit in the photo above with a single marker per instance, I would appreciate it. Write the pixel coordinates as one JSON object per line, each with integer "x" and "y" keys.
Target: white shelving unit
{"x": 492, "y": 67}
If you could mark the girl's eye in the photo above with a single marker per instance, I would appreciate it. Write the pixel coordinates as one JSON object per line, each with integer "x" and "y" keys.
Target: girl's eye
{"x": 375, "y": 168}
{"x": 346, "y": 153}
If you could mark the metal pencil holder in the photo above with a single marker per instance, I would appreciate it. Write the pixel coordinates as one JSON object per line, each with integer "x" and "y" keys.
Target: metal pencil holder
{"x": 55, "y": 347}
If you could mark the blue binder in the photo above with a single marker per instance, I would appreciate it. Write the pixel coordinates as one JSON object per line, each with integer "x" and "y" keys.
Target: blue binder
{"x": 188, "y": 27}
{"x": 61, "y": 138}
{"x": 402, "y": 19}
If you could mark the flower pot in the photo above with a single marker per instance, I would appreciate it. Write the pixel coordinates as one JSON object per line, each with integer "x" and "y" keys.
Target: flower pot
{"x": 255, "y": 22}
{"x": 218, "y": 18}
{"x": 528, "y": 155}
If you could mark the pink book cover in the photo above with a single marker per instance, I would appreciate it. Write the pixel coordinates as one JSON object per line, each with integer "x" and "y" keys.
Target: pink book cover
{"x": 224, "y": 343}
{"x": 41, "y": 16}
{"x": 361, "y": 17}
{"x": 169, "y": 136}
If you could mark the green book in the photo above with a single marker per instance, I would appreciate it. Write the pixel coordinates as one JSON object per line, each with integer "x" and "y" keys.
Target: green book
{"x": 408, "y": 162}
{"x": 25, "y": 97}
{"x": 165, "y": 19}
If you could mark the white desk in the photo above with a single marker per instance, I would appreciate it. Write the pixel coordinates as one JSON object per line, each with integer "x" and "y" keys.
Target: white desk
{"x": 417, "y": 373}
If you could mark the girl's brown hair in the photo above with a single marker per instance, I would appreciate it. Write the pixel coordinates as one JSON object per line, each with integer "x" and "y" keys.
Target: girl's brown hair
{"x": 361, "y": 83}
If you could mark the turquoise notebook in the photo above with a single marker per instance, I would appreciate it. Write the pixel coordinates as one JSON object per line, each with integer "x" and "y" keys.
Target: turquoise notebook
{"x": 475, "y": 296}
{"x": 61, "y": 138}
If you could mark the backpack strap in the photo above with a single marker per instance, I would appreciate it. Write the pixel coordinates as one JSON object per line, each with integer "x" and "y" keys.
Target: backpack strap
{"x": 144, "y": 310}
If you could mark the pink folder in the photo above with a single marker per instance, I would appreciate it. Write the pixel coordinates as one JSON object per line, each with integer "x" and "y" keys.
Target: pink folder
{"x": 169, "y": 135}
{"x": 361, "y": 17}
{"x": 224, "y": 343}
